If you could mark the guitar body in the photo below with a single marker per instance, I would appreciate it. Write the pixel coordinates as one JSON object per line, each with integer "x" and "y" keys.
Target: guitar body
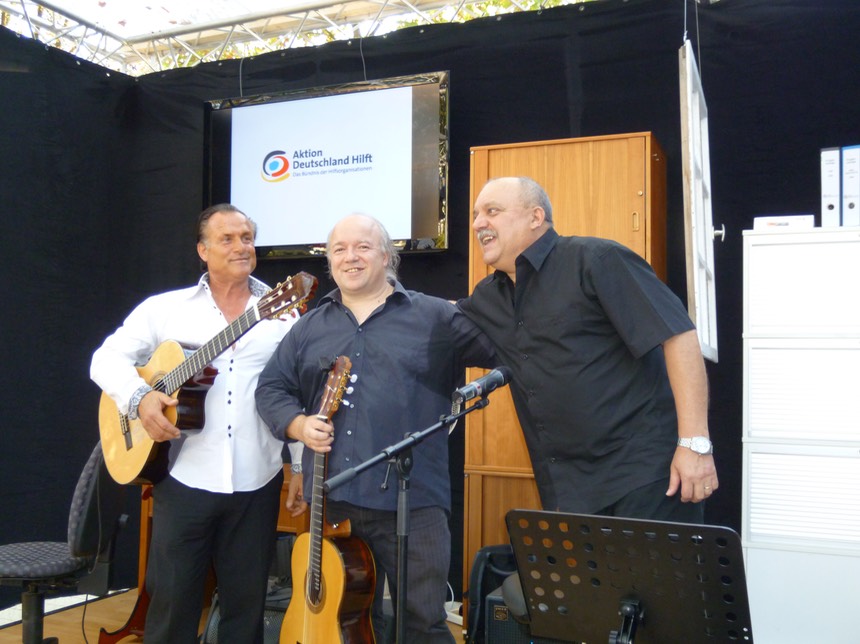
{"x": 348, "y": 584}
{"x": 131, "y": 456}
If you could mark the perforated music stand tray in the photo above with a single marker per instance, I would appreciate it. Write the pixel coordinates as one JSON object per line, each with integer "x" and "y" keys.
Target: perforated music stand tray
{"x": 597, "y": 579}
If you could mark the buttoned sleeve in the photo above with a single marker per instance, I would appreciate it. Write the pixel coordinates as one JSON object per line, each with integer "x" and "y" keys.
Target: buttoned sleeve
{"x": 113, "y": 363}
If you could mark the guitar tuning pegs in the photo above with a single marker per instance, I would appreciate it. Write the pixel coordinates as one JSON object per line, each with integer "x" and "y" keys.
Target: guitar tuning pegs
{"x": 349, "y": 390}
{"x": 353, "y": 377}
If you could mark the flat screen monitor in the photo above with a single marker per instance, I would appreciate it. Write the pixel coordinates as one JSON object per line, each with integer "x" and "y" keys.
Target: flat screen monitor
{"x": 297, "y": 162}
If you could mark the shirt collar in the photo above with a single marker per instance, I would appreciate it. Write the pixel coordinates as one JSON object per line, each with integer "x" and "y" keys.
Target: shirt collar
{"x": 258, "y": 288}
{"x": 537, "y": 253}
{"x": 335, "y": 295}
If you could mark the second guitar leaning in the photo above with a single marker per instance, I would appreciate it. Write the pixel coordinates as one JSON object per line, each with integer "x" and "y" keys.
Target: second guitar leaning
{"x": 333, "y": 572}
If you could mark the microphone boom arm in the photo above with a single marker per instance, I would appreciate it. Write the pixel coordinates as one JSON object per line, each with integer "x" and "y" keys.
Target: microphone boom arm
{"x": 393, "y": 450}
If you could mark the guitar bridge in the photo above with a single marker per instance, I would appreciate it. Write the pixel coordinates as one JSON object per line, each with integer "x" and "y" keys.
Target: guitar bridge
{"x": 126, "y": 431}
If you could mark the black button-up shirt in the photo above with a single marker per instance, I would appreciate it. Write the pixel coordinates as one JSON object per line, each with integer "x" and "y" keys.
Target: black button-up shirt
{"x": 582, "y": 331}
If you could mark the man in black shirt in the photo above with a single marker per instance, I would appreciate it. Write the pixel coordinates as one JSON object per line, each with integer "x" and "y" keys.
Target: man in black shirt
{"x": 609, "y": 382}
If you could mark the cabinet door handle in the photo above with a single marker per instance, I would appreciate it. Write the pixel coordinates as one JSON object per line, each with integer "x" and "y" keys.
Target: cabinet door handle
{"x": 636, "y": 222}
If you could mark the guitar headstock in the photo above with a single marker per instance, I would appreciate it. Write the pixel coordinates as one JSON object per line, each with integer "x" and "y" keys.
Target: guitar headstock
{"x": 334, "y": 387}
{"x": 293, "y": 292}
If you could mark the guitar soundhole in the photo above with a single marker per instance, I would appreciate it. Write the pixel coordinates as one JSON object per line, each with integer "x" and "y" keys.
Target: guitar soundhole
{"x": 316, "y": 595}
{"x": 157, "y": 381}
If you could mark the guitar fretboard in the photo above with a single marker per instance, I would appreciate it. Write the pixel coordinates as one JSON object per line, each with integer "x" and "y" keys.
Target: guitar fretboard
{"x": 209, "y": 351}
{"x": 314, "y": 581}
{"x": 332, "y": 392}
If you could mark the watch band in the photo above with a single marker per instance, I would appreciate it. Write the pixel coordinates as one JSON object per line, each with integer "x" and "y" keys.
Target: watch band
{"x": 699, "y": 444}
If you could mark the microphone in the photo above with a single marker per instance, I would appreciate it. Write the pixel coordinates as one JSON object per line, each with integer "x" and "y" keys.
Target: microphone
{"x": 483, "y": 385}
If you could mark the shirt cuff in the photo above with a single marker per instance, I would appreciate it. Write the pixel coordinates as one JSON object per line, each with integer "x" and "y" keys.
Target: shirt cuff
{"x": 135, "y": 399}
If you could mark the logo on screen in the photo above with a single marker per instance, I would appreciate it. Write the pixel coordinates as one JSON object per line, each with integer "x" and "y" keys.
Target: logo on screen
{"x": 276, "y": 166}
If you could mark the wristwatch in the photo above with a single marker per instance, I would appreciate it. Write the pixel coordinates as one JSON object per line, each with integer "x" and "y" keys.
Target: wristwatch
{"x": 699, "y": 444}
{"x": 296, "y": 468}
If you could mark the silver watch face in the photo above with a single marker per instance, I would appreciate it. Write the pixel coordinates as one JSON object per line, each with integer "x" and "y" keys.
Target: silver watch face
{"x": 700, "y": 445}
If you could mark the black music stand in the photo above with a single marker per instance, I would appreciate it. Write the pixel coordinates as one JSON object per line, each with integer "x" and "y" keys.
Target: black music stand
{"x": 595, "y": 579}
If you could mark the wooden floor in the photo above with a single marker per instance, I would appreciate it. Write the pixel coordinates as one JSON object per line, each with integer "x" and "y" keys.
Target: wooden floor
{"x": 110, "y": 613}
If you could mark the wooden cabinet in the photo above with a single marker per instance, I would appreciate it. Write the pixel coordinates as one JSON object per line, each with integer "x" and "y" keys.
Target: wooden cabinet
{"x": 607, "y": 186}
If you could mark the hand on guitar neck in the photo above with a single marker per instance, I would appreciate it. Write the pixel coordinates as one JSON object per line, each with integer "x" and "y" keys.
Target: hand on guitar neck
{"x": 315, "y": 432}
{"x": 151, "y": 414}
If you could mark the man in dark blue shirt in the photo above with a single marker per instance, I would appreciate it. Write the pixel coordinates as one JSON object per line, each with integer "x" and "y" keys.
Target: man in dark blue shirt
{"x": 408, "y": 353}
{"x": 609, "y": 382}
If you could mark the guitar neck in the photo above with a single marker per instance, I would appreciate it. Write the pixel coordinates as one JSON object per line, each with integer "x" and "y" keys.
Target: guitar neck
{"x": 332, "y": 392}
{"x": 209, "y": 351}
{"x": 317, "y": 509}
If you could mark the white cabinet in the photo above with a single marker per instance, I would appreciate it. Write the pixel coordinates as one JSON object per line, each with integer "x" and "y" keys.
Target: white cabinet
{"x": 801, "y": 433}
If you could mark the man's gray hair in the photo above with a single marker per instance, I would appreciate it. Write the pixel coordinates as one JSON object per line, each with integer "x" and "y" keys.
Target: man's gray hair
{"x": 532, "y": 194}
{"x": 385, "y": 242}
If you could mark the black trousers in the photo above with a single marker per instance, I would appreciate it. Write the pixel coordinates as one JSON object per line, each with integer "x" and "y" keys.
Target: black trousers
{"x": 194, "y": 529}
{"x": 429, "y": 556}
{"x": 650, "y": 502}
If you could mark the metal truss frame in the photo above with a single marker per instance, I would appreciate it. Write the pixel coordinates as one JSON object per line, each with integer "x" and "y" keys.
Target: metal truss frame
{"x": 300, "y": 23}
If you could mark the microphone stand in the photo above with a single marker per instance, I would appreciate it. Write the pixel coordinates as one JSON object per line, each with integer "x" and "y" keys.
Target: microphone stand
{"x": 400, "y": 454}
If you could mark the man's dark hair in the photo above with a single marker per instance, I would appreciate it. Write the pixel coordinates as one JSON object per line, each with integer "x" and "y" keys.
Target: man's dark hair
{"x": 206, "y": 215}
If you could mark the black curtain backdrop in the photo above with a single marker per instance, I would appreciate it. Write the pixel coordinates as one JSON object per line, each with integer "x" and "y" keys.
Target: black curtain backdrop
{"x": 101, "y": 178}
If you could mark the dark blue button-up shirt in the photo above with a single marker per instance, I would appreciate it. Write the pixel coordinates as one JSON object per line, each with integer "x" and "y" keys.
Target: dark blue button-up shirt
{"x": 407, "y": 359}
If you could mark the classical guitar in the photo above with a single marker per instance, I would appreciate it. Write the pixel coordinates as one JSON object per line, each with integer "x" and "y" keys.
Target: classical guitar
{"x": 333, "y": 604}
{"x": 130, "y": 454}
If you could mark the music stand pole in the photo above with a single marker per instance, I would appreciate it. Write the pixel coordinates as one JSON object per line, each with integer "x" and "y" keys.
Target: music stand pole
{"x": 400, "y": 454}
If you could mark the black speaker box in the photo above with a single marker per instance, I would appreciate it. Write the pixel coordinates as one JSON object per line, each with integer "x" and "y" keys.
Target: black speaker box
{"x": 501, "y": 627}
{"x": 272, "y": 620}
{"x": 277, "y": 601}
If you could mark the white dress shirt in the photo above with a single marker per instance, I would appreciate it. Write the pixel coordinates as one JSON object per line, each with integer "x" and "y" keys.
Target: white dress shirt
{"x": 234, "y": 451}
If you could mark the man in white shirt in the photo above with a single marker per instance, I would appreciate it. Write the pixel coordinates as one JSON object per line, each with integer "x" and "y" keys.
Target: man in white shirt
{"x": 218, "y": 503}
